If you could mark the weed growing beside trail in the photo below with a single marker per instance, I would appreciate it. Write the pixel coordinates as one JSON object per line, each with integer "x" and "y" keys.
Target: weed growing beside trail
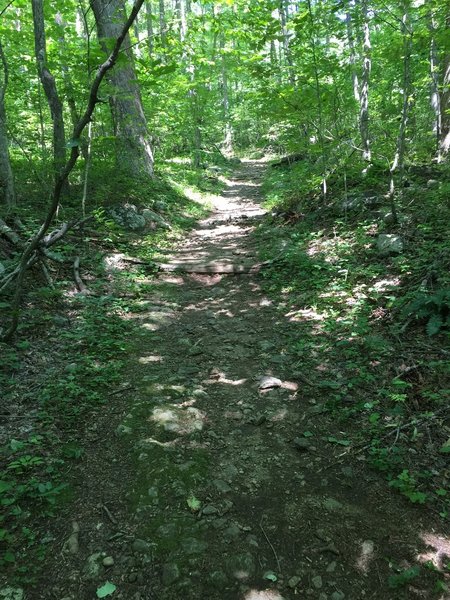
{"x": 375, "y": 327}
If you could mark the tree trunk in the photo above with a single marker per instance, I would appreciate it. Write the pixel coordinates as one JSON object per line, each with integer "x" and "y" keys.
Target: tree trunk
{"x": 284, "y": 14}
{"x": 435, "y": 98}
{"x": 162, "y": 24}
{"x": 49, "y": 85}
{"x": 445, "y": 107}
{"x": 399, "y": 159}
{"x": 149, "y": 19}
{"x": 133, "y": 150}
{"x": 228, "y": 137}
{"x": 445, "y": 95}
{"x": 351, "y": 45}
{"x": 365, "y": 80}
{"x": 6, "y": 174}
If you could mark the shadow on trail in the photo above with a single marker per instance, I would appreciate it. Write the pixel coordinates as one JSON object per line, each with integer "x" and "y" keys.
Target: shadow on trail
{"x": 249, "y": 493}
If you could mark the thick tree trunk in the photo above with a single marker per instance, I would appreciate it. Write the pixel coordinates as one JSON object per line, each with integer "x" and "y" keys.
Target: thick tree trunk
{"x": 49, "y": 85}
{"x": 6, "y": 175}
{"x": 133, "y": 148}
{"x": 365, "y": 80}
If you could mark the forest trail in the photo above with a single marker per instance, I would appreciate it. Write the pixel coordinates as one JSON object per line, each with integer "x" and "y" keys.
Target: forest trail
{"x": 199, "y": 484}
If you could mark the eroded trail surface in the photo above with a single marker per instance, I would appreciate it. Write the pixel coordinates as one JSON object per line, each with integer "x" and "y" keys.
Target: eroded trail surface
{"x": 200, "y": 482}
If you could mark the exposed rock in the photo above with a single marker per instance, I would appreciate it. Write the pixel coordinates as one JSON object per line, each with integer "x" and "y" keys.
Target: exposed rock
{"x": 170, "y": 573}
{"x": 267, "y": 383}
{"x": 72, "y": 545}
{"x": 388, "y": 243}
{"x": 317, "y": 582}
{"x": 294, "y": 581}
{"x": 232, "y": 531}
{"x": 302, "y": 444}
{"x": 140, "y": 546}
{"x": 337, "y": 595}
{"x": 108, "y": 561}
{"x": 193, "y": 546}
{"x": 389, "y": 218}
{"x": 241, "y": 566}
{"x": 92, "y": 567}
{"x": 152, "y": 217}
{"x": 210, "y": 510}
{"x": 432, "y": 184}
{"x": 128, "y": 217}
{"x": 221, "y": 486}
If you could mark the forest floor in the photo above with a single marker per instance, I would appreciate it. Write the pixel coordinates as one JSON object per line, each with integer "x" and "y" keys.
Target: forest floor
{"x": 208, "y": 475}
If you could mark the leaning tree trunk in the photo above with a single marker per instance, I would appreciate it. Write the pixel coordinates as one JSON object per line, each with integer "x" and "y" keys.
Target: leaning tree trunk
{"x": 133, "y": 149}
{"x": 49, "y": 85}
{"x": 6, "y": 174}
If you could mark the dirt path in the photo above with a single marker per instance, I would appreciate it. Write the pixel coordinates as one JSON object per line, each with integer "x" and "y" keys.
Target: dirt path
{"x": 200, "y": 485}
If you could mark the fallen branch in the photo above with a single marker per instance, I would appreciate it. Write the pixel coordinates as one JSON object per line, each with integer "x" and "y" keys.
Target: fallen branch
{"x": 64, "y": 173}
{"x": 9, "y": 233}
{"x": 81, "y": 287}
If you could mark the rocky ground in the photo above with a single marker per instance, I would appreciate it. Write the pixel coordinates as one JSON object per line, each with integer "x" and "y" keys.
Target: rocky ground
{"x": 210, "y": 475}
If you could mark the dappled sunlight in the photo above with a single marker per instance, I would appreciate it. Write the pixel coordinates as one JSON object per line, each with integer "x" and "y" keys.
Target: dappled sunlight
{"x": 366, "y": 555}
{"x": 150, "y": 358}
{"x": 438, "y": 550}
{"x": 263, "y": 595}
{"x": 306, "y": 314}
{"x": 177, "y": 419}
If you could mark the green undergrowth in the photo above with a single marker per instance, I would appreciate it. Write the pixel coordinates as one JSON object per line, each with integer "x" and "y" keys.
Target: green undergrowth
{"x": 374, "y": 328}
{"x": 51, "y": 398}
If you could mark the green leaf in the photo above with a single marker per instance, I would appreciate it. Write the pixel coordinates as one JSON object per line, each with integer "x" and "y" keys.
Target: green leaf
{"x": 270, "y": 576}
{"x": 4, "y": 486}
{"x": 374, "y": 417}
{"x": 334, "y": 440}
{"x": 106, "y": 590}
{"x": 434, "y": 325}
{"x": 445, "y": 449}
{"x": 193, "y": 503}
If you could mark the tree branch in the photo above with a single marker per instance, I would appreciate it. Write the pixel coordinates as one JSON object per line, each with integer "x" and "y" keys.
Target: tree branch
{"x": 64, "y": 174}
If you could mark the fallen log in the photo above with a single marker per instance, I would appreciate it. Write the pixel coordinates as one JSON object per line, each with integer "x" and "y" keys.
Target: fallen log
{"x": 213, "y": 268}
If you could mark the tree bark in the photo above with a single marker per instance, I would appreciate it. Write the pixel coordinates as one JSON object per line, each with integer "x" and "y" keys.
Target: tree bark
{"x": 435, "y": 98}
{"x": 399, "y": 158}
{"x": 351, "y": 45}
{"x": 445, "y": 95}
{"x": 149, "y": 20}
{"x": 365, "y": 80}
{"x": 49, "y": 85}
{"x": 133, "y": 149}
{"x": 6, "y": 174}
